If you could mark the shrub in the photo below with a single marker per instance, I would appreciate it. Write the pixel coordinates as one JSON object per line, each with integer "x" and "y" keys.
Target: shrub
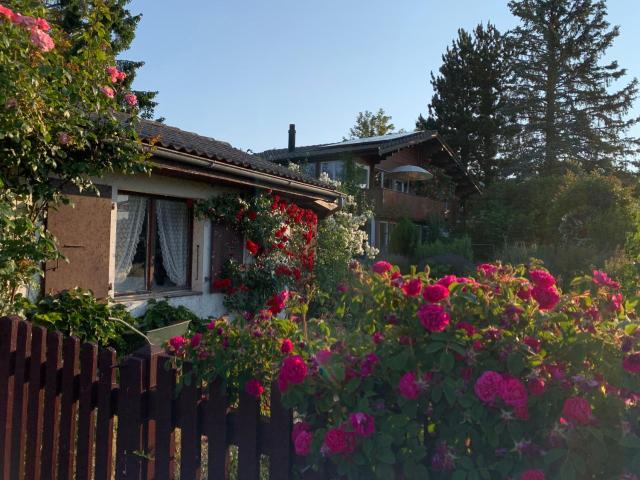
{"x": 459, "y": 246}
{"x": 404, "y": 238}
{"x": 472, "y": 378}
{"x": 161, "y": 314}
{"x": 77, "y": 312}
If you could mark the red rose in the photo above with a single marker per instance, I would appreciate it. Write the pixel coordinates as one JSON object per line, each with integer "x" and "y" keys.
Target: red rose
{"x": 577, "y": 410}
{"x": 435, "y": 293}
{"x": 252, "y": 215}
{"x": 412, "y": 288}
{"x": 252, "y": 247}
{"x": 293, "y": 371}
{"x": 536, "y": 386}
{"x": 433, "y": 317}
{"x": 547, "y": 297}
{"x": 222, "y": 283}
{"x": 336, "y": 440}
{"x": 487, "y": 269}
{"x": 533, "y": 343}
{"x": 254, "y": 388}
{"x": 381, "y": 267}
{"x": 542, "y": 278}
{"x": 408, "y": 387}
{"x": 286, "y": 346}
{"x": 278, "y": 301}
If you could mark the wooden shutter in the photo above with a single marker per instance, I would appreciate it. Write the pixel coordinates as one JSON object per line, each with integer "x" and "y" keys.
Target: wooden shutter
{"x": 82, "y": 230}
{"x": 226, "y": 243}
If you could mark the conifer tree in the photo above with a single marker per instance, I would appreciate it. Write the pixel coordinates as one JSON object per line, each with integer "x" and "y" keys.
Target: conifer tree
{"x": 72, "y": 15}
{"x": 467, "y": 106}
{"x": 571, "y": 106}
{"x": 369, "y": 124}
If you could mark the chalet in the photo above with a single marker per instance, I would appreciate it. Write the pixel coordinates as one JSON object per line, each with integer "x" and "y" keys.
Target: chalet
{"x": 137, "y": 238}
{"x": 396, "y": 171}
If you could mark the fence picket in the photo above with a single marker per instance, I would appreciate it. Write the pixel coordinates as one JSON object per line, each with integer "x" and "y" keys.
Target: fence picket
{"x": 280, "y": 439}
{"x": 129, "y": 445}
{"x": 86, "y": 418}
{"x": 35, "y": 405}
{"x": 104, "y": 421}
{"x": 248, "y": 424}
{"x": 9, "y": 328}
{"x": 18, "y": 437}
{"x": 51, "y": 406}
{"x": 165, "y": 441}
{"x": 68, "y": 409}
{"x": 216, "y": 431}
{"x": 189, "y": 437}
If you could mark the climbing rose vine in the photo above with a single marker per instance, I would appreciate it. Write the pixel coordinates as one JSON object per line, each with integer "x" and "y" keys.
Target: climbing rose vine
{"x": 501, "y": 376}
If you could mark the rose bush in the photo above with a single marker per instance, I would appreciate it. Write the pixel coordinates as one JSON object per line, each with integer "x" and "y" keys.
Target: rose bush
{"x": 501, "y": 376}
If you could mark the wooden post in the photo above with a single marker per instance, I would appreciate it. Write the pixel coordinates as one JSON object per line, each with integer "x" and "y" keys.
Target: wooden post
{"x": 280, "y": 458}
{"x": 19, "y": 437}
{"x": 129, "y": 445}
{"x": 35, "y": 407}
{"x": 248, "y": 452}
{"x": 164, "y": 441}
{"x": 69, "y": 409}
{"x": 216, "y": 431}
{"x": 51, "y": 428}
{"x": 188, "y": 420}
{"x": 86, "y": 418}
{"x": 104, "y": 421}
{"x": 8, "y": 331}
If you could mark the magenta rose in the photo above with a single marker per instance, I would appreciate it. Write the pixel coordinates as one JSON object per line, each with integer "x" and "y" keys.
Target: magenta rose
{"x": 286, "y": 346}
{"x": 302, "y": 443}
{"x": 293, "y": 371}
{"x": 577, "y": 410}
{"x": 631, "y": 362}
{"x": 381, "y": 267}
{"x": 254, "y": 388}
{"x": 337, "y": 440}
{"x": 412, "y": 288}
{"x": 536, "y": 386}
{"x": 533, "y": 475}
{"x": 408, "y": 387}
{"x": 488, "y": 386}
{"x": 435, "y": 293}
{"x": 362, "y": 423}
{"x": 542, "y": 278}
{"x": 513, "y": 393}
{"x": 547, "y": 297}
{"x": 177, "y": 343}
{"x": 433, "y": 317}
{"x": 487, "y": 269}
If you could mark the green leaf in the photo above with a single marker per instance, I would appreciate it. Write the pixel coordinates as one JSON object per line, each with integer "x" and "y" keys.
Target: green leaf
{"x": 446, "y": 362}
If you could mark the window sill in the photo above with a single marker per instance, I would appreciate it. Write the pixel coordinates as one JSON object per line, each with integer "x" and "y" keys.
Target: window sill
{"x": 130, "y": 297}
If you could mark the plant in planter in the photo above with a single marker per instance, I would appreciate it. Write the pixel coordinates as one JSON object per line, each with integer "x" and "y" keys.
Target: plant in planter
{"x": 500, "y": 376}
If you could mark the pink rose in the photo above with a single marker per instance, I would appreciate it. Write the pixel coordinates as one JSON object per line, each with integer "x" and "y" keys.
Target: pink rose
{"x": 435, "y": 293}
{"x": 254, "y": 388}
{"x": 433, "y": 317}
{"x": 524, "y": 293}
{"x": 513, "y": 393}
{"x": 533, "y": 475}
{"x": 131, "y": 99}
{"x": 377, "y": 338}
{"x": 488, "y": 386}
{"x": 542, "y": 278}
{"x": 286, "y": 346}
{"x": 467, "y": 327}
{"x": 362, "y": 423}
{"x": 177, "y": 343}
{"x": 368, "y": 363}
{"x": 631, "y": 363}
{"x": 195, "y": 340}
{"x": 487, "y": 269}
{"x": 602, "y": 279}
{"x": 41, "y": 39}
{"x": 447, "y": 280}
{"x": 108, "y": 91}
{"x": 298, "y": 428}
{"x": 337, "y": 440}
{"x": 381, "y": 267}
{"x": 616, "y": 302}
{"x": 302, "y": 443}
{"x": 412, "y": 288}
{"x": 63, "y": 138}
{"x": 323, "y": 356}
{"x": 43, "y": 25}
{"x": 293, "y": 371}
{"x": 577, "y": 410}
{"x": 533, "y": 343}
{"x": 24, "y": 20}
{"x": 547, "y": 297}
{"x": 408, "y": 387}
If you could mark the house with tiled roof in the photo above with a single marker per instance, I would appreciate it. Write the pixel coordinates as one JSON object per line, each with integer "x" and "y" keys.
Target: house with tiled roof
{"x": 413, "y": 175}
{"x": 137, "y": 238}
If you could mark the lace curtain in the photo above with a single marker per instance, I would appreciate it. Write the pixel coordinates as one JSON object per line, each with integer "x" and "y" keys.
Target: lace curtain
{"x": 173, "y": 228}
{"x": 128, "y": 229}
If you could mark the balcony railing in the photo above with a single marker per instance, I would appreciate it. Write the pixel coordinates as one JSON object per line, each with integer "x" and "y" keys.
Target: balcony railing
{"x": 391, "y": 204}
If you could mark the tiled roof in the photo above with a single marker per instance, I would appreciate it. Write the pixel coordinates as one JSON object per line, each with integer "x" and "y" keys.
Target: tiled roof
{"x": 382, "y": 143}
{"x": 209, "y": 148}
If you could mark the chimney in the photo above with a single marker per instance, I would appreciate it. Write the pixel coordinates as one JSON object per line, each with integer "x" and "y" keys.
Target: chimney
{"x": 292, "y": 137}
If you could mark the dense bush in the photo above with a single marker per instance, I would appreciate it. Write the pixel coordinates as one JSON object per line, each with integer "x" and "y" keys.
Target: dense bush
{"x": 496, "y": 377}
{"x": 77, "y": 312}
{"x": 161, "y": 314}
{"x": 404, "y": 238}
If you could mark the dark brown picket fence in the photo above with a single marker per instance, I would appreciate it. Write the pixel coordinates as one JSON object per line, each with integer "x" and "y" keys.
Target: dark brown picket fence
{"x": 72, "y": 411}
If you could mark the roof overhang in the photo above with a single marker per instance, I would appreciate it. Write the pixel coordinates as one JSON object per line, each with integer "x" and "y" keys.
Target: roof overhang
{"x": 179, "y": 164}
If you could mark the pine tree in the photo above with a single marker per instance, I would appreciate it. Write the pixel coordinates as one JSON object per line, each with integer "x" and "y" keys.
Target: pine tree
{"x": 370, "y": 124}
{"x": 72, "y": 15}
{"x": 568, "y": 113}
{"x": 467, "y": 107}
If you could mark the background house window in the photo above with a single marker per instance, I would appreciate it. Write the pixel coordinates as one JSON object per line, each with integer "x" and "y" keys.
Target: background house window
{"x": 362, "y": 175}
{"x": 334, "y": 168}
{"x": 153, "y": 244}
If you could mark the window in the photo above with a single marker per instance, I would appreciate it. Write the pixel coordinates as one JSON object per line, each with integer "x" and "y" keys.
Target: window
{"x": 401, "y": 186}
{"x": 153, "y": 244}
{"x": 362, "y": 175}
{"x": 309, "y": 169}
{"x": 334, "y": 168}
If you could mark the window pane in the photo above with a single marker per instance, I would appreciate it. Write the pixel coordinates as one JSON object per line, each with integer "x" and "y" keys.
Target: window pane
{"x": 131, "y": 244}
{"x": 171, "y": 256}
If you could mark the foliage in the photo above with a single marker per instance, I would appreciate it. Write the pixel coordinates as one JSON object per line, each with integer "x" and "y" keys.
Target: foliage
{"x": 77, "y": 312}
{"x": 468, "y": 107}
{"x": 567, "y": 114}
{"x": 463, "y": 378}
{"x": 162, "y": 314}
{"x": 279, "y": 238}
{"x": 73, "y": 16}
{"x": 404, "y": 237}
{"x": 370, "y": 124}
{"x": 459, "y": 246}
{"x": 58, "y": 129}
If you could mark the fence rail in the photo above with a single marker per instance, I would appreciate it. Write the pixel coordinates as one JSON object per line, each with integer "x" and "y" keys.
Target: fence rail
{"x": 71, "y": 411}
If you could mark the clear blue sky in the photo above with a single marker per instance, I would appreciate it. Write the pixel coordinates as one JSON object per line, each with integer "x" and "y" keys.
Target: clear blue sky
{"x": 242, "y": 70}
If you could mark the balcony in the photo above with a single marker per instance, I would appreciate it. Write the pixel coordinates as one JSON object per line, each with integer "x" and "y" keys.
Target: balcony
{"x": 390, "y": 204}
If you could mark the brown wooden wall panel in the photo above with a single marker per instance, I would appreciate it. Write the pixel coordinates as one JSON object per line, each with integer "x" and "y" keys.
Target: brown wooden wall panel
{"x": 82, "y": 230}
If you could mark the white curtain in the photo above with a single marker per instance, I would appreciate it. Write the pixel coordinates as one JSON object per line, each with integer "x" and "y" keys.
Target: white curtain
{"x": 128, "y": 229}
{"x": 173, "y": 229}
